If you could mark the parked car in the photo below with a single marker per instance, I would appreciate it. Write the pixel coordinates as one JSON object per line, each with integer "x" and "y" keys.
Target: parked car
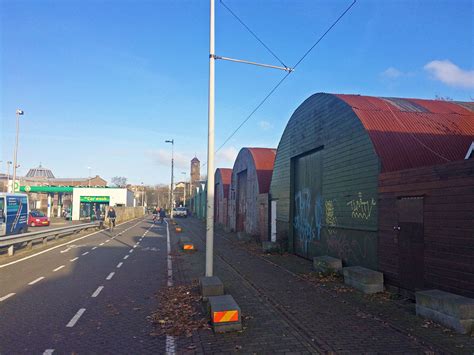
{"x": 180, "y": 212}
{"x": 37, "y": 218}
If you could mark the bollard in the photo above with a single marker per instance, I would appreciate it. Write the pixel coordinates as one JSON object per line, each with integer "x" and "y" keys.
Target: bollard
{"x": 11, "y": 250}
{"x": 225, "y": 314}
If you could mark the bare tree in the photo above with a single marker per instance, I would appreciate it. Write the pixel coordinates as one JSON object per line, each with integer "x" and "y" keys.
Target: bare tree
{"x": 119, "y": 181}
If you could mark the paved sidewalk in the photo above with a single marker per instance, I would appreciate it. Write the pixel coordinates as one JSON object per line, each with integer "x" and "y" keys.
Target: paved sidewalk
{"x": 288, "y": 309}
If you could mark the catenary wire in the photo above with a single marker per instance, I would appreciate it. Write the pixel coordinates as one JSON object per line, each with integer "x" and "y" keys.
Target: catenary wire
{"x": 251, "y": 32}
{"x": 286, "y": 76}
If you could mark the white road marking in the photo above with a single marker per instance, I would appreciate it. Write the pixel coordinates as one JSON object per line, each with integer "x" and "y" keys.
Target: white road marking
{"x": 58, "y": 268}
{"x": 94, "y": 248}
{"x": 108, "y": 240}
{"x": 7, "y": 296}
{"x": 170, "y": 345}
{"x": 57, "y": 246}
{"x": 110, "y": 276}
{"x": 35, "y": 281}
{"x": 130, "y": 251}
{"x": 76, "y": 317}
{"x": 126, "y": 257}
{"x": 85, "y": 253}
{"x": 135, "y": 246}
{"x": 101, "y": 244}
{"x": 74, "y": 259}
{"x": 48, "y": 351}
{"x": 170, "y": 265}
{"x": 119, "y": 265}
{"x": 96, "y": 292}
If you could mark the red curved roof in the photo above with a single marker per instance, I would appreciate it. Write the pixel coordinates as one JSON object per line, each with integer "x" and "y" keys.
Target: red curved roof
{"x": 264, "y": 159}
{"x": 226, "y": 177}
{"x": 408, "y": 133}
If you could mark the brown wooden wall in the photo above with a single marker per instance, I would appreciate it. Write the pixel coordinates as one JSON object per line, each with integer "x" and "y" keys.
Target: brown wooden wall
{"x": 448, "y": 224}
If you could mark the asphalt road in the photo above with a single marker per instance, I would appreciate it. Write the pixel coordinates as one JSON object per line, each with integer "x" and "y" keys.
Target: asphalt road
{"x": 92, "y": 295}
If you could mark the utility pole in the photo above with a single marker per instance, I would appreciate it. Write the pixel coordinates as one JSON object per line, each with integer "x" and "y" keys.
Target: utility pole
{"x": 18, "y": 114}
{"x": 210, "y": 149}
{"x": 172, "y": 172}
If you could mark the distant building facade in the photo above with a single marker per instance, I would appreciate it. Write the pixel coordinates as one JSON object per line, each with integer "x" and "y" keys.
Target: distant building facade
{"x": 195, "y": 174}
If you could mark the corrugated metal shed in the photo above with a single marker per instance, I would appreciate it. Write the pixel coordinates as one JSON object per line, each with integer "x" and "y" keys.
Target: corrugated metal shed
{"x": 409, "y": 133}
{"x": 223, "y": 179}
{"x": 263, "y": 158}
{"x": 248, "y": 203}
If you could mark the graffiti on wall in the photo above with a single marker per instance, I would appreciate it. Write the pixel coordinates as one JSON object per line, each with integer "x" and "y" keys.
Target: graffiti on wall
{"x": 341, "y": 246}
{"x": 361, "y": 209}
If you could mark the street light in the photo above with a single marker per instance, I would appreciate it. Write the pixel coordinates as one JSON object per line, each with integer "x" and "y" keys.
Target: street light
{"x": 172, "y": 171}
{"x": 184, "y": 197}
{"x": 18, "y": 114}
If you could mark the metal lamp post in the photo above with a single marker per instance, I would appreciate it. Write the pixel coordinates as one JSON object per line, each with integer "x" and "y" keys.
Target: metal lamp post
{"x": 172, "y": 172}
{"x": 18, "y": 114}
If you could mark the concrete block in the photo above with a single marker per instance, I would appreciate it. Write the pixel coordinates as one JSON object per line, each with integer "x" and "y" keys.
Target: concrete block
{"x": 11, "y": 250}
{"x": 363, "y": 279}
{"x": 186, "y": 244}
{"x": 225, "y": 314}
{"x": 451, "y": 310}
{"x": 270, "y": 247}
{"x": 327, "y": 264}
{"x": 211, "y": 286}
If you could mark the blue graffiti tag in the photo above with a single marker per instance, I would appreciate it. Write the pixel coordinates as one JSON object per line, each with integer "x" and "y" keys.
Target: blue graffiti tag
{"x": 307, "y": 226}
{"x": 318, "y": 214}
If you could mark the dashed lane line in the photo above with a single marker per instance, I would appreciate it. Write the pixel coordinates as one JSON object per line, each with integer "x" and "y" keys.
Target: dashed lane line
{"x": 74, "y": 259}
{"x": 101, "y": 244}
{"x": 126, "y": 257}
{"x": 96, "y": 292}
{"x": 76, "y": 317}
{"x": 130, "y": 251}
{"x": 119, "y": 265}
{"x": 7, "y": 296}
{"x": 35, "y": 281}
{"x": 58, "y": 268}
{"x": 94, "y": 248}
{"x": 110, "y": 276}
{"x": 85, "y": 253}
{"x": 58, "y": 246}
{"x": 48, "y": 351}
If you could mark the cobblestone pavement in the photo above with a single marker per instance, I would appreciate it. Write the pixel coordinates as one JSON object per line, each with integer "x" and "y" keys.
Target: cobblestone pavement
{"x": 288, "y": 309}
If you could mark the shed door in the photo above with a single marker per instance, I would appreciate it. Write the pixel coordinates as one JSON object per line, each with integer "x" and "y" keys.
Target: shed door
{"x": 411, "y": 242}
{"x": 307, "y": 202}
{"x": 241, "y": 200}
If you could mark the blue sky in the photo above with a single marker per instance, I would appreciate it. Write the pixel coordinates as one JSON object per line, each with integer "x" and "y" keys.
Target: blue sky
{"x": 104, "y": 83}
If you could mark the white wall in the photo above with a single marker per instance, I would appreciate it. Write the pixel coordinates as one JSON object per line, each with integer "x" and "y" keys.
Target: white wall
{"x": 118, "y": 196}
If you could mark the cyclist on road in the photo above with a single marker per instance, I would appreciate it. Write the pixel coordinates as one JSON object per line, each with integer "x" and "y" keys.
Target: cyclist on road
{"x": 111, "y": 215}
{"x": 162, "y": 215}
{"x": 155, "y": 215}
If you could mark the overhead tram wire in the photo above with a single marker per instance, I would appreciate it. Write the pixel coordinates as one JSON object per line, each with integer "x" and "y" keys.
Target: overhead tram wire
{"x": 286, "y": 76}
{"x": 252, "y": 33}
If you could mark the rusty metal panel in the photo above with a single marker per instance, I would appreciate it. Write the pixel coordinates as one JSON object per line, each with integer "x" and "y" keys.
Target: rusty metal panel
{"x": 409, "y": 133}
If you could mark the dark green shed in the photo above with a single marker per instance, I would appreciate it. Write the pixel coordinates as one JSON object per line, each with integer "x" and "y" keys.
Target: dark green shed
{"x": 334, "y": 147}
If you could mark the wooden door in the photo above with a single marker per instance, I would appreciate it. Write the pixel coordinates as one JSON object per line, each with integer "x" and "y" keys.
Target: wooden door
{"x": 411, "y": 243}
{"x": 241, "y": 200}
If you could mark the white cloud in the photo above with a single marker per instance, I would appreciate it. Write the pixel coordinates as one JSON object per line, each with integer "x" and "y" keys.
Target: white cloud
{"x": 265, "y": 125}
{"x": 391, "y": 73}
{"x": 162, "y": 157}
{"x": 450, "y": 74}
{"x": 226, "y": 157}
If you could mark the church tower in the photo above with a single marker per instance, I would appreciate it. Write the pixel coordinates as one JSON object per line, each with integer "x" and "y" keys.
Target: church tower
{"x": 195, "y": 174}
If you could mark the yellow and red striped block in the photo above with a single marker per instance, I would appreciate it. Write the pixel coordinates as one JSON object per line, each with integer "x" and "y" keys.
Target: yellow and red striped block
{"x": 188, "y": 247}
{"x": 225, "y": 316}
{"x": 179, "y": 229}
